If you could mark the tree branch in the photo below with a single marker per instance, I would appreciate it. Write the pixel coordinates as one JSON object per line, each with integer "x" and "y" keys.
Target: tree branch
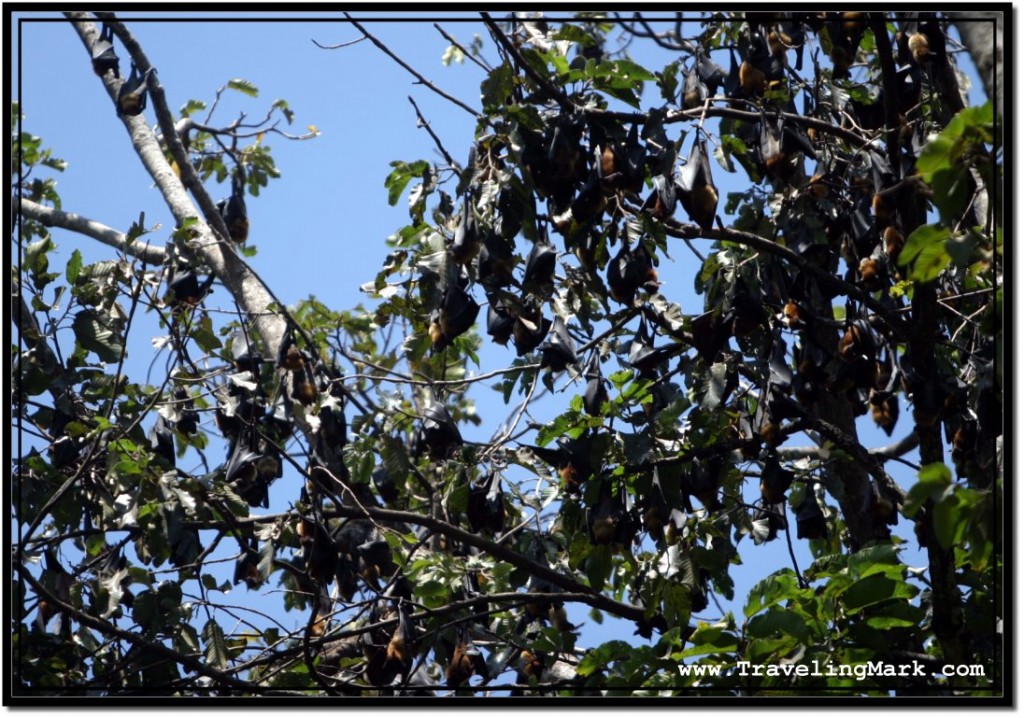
{"x": 405, "y": 66}
{"x": 50, "y": 217}
{"x": 108, "y": 629}
{"x": 586, "y": 594}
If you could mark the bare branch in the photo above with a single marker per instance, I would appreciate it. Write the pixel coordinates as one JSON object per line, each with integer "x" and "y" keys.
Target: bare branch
{"x": 405, "y": 66}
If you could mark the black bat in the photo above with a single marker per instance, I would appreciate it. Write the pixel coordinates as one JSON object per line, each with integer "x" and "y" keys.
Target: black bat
{"x": 486, "y": 506}
{"x": 131, "y": 98}
{"x": 597, "y": 393}
{"x": 540, "y": 266}
{"x": 233, "y": 209}
{"x": 457, "y": 313}
{"x": 529, "y": 329}
{"x": 439, "y": 431}
{"x": 103, "y": 56}
{"x": 161, "y": 440}
{"x": 559, "y": 350}
{"x": 499, "y": 321}
{"x": 466, "y": 243}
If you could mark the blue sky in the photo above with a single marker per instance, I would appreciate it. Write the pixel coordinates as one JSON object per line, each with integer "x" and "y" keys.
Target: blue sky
{"x": 320, "y": 229}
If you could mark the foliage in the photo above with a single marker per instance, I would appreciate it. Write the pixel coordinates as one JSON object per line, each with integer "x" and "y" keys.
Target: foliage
{"x": 422, "y": 561}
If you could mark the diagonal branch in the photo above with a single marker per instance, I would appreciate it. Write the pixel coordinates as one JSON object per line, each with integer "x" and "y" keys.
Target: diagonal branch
{"x": 405, "y": 66}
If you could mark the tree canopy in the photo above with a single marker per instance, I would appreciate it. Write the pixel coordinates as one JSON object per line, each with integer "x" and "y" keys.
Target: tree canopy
{"x": 308, "y": 500}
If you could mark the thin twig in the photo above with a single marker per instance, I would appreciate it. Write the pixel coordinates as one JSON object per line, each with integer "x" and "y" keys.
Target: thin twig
{"x": 405, "y": 66}
{"x": 480, "y": 63}
{"x": 437, "y": 140}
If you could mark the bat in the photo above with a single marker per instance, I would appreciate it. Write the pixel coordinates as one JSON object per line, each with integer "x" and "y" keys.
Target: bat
{"x": 696, "y": 188}
{"x": 186, "y": 288}
{"x": 540, "y": 266}
{"x": 131, "y": 97}
{"x": 529, "y": 329}
{"x": 455, "y": 316}
{"x": 775, "y": 481}
{"x": 486, "y": 504}
{"x": 385, "y": 485}
{"x": 104, "y": 58}
{"x": 400, "y": 646}
{"x": 810, "y": 520}
{"x": 596, "y": 394}
{"x": 466, "y": 243}
{"x": 559, "y": 350}
{"x": 247, "y": 567}
{"x": 161, "y": 440}
{"x": 233, "y": 209}
{"x": 495, "y": 261}
{"x": 499, "y": 321}
{"x": 439, "y": 431}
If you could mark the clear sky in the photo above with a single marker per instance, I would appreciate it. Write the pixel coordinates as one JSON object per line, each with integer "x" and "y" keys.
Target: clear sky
{"x": 320, "y": 229}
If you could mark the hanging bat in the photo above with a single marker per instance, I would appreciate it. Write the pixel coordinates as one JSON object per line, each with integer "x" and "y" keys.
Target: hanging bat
{"x": 161, "y": 440}
{"x": 696, "y": 187}
{"x": 486, "y": 504}
{"x": 656, "y": 510}
{"x": 810, "y": 519}
{"x": 609, "y": 521}
{"x": 385, "y": 484}
{"x": 559, "y": 350}
{"x": 499, "y": 321}
{"x": 591, "y": 201}
{"x": 529, "y": 329}
{"x": 247, "y": 567}
{"x": 540, "y": 266}
{"x": 885, "y": 410}
{"x": 596, "y": 394}
{"x": 400, "y": 646}
{"x": 304, "y": 387}
{"x": 457, "y": 313}
{"x": 187, "y": 289}
{"x": 661, "y": 202}
{"x": 244, "y": 354}
{"x": 103, "y": 56}
{"x": 466, "y": 661}
{"x": 375, "y": 561}
{"x": 466, "y": 244}
{"x": 775, "y": 481}
{"x": 495, "y": 261}
{"x": 439, "y": 431}
{"x": 233, "y": 209}
{"x": 131, "y": 97}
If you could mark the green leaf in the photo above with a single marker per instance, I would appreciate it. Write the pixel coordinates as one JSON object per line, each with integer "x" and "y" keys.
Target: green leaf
{"x": 868, "y": 591}
{"x": 74, "y": 267}
{"x": 599, "y": 565}
{"x": 96, "y": 337}
{"x": 496, "y": 89}
{"x": 926, "y": 235}
{"x": 770, "y": 591}
{"x": 216, "y": 652}
{"x": 244, "y": 86}
{"x": 282, "y": 105}
{"x": 777, "y": 621}
{"x": 400, "y": 176}
{"x": 950, "y": 187}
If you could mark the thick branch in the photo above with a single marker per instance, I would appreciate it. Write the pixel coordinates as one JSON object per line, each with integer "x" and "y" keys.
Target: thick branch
{"x": 982, "y": 34}
{"x": 50, "y": 217}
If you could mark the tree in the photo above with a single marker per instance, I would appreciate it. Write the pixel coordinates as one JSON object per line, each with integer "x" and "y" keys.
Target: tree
{"x": 856, "y": 269}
